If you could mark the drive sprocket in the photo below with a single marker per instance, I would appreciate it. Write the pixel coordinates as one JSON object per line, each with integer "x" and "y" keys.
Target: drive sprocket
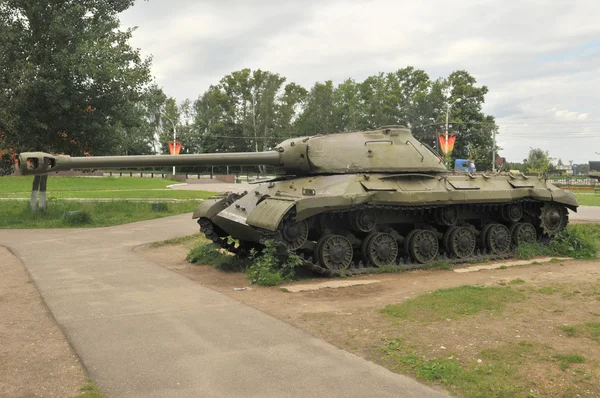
{"x": 553, "y": 218}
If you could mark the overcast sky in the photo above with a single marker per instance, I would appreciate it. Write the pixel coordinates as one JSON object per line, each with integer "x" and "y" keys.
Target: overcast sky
{"x": 539, "y": 59}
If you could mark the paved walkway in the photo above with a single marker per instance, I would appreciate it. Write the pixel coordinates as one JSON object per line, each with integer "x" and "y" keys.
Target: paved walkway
{"x": 143, "y": 331}
{"x": 585, "y": 214}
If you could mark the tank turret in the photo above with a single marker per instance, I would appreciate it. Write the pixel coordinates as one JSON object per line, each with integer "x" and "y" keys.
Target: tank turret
{"x": 387, "y": 150}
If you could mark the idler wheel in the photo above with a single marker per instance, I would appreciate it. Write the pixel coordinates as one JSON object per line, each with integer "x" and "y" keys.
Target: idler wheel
{"x": 523, "y": 233}
{"x": 462, "y": 242}
{"x": 381, "y": 249}
{"x": 553, "y": 218}
{"x": 423, "y": 246}
{"x": 363, "y": 220}
{"x": 497, "y": 238}
{"x": 512, "y": 212}
{"x": 294, "y": 234}
{"x": 335, "y": 252}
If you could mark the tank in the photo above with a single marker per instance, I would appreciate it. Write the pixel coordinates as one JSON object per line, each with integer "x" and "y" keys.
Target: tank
{"x": 350, "y": 202}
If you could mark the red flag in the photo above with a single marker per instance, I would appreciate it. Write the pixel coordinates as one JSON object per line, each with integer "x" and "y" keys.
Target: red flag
{"x": 447, "y": 146}
{"x": 451, "y": 141}
{"x": 174, "y": 149}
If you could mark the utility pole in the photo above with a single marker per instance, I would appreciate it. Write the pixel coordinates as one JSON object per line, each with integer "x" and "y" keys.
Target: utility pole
{"x": 494, "y": 150}
{"x": 174, "y": 135}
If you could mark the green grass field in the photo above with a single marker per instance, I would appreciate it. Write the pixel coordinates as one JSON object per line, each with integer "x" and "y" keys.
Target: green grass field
{"x": 16, "y": 213}
{"x": 99, "y": 187}
{"x": 587, "y": 199}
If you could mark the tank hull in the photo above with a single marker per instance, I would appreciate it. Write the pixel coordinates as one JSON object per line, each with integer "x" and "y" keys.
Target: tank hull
{"x": 300, "y": 212}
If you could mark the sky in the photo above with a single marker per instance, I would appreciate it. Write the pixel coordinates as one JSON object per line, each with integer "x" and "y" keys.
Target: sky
{"x": 539, "y": 59}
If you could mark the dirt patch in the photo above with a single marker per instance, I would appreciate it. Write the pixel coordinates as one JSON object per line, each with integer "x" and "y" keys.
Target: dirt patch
{"x": 556, "y": 295}
{"x": 35, "y": 358}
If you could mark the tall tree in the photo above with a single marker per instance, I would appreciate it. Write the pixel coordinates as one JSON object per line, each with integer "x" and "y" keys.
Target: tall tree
{"x": 474, "y": 128}
{"x": 69, "y": 79}
{"x": 318, "y": 114}
{"x": 538, "y": 161}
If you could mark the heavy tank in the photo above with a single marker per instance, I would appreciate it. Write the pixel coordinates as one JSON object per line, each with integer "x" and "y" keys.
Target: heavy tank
{"x": 350, "y": 201}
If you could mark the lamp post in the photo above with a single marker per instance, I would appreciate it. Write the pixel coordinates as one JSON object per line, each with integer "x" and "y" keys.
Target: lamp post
{"x": 174, "y": 135}
{"x": 447, "y": 117}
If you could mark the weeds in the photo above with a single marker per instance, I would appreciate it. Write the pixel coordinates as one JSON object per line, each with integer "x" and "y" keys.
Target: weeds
{"x": 517, "y": 281}
{"x": 210, "y": 254}
{"x": 90, "y": 390}
{"x": 16, "y": 214}
{"x": 570, "y": 331}
{"x": 580, "y": 241}
{"x": 271, "y": 267}
{"x": 267, "y": 268}
{"x": 453, "y": 303}
{"x": 565, "y": 360}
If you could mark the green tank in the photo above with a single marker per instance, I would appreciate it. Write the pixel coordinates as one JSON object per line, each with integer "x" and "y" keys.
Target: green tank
{"x": 352, "y": 201}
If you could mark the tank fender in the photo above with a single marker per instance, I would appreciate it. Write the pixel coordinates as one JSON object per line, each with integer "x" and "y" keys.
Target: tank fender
{"x": 210, "y": 207}
{"x": 566, "y": 198}
{"x": 269, "y": 213}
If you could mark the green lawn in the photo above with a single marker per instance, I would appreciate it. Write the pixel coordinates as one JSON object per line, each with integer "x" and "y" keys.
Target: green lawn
{"x": 23, "y": 184}
{"x": 587, "y": 199}
{"x": 99, "y": 187}
{"x": 16, "y": 214}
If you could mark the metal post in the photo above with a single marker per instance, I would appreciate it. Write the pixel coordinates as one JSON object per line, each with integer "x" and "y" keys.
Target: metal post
{"x": 174, "y": 141}
{"x": 447, "y": 127}
{"x": 43, "y": 184}
{"x": 34, "y": 193}
{"x": 494, "y": 150}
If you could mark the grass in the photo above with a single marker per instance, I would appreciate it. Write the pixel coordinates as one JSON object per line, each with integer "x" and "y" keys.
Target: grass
{"x": 565, "y": 360}
{"x": 182, "y": 240}
{"x": 589, "y": 330}
{"x": 16, "y": 214}
{"x": 580, "y": 241}
{"x": 570, "y": 331}
{"x": 454, "y": 303}
{"x": 495, "y": 376}
{"x": 587, "y": 199}
{"x": 69, "y": 184}
{"x": 90, "y": 390}
{"x": 211, "y": 254}
{"x": 517, "y": 281}
{"x": 99, "y": 188}
{"x": 267, "y": 268}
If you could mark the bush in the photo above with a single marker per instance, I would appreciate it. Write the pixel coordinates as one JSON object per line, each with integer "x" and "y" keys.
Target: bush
{"x": 577, "y": 241}
{"x": 210, "y": 254}
{"x": 160, "y": 206}
{"x": 77, "y": 217}
{"x": 527, "y": 251}
{"x": 270, "y": 268}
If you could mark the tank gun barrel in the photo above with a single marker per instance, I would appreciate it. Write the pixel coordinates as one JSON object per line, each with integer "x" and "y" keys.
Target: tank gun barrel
{"x": 38, "y": 163}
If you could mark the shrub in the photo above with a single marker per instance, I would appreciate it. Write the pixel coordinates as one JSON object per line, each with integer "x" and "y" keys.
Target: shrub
{"x": 77, "y": 218}
{"x": 271, "y": 267}
{"x": 210, "y": 254}
{"x": 576, "y": 241}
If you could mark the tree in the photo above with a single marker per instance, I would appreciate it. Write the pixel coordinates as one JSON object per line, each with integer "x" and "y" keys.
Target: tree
{"x": 70, "y": 81}
{"x": 538, "y": 161}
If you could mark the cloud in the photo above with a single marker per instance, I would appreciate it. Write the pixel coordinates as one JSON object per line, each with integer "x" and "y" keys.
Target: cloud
{"x": 541, "y": 63}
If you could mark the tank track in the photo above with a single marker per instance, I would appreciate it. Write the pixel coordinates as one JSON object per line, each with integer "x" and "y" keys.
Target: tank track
{"x": 403, "y": 263}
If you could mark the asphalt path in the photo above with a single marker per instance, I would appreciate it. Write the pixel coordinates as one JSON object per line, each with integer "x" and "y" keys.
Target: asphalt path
{"x": 144, "y": 331}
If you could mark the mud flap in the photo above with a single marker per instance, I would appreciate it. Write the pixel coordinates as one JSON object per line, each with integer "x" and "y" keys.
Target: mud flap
{"x": 210, "y": 208}
{"x": 269, "y": 213}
